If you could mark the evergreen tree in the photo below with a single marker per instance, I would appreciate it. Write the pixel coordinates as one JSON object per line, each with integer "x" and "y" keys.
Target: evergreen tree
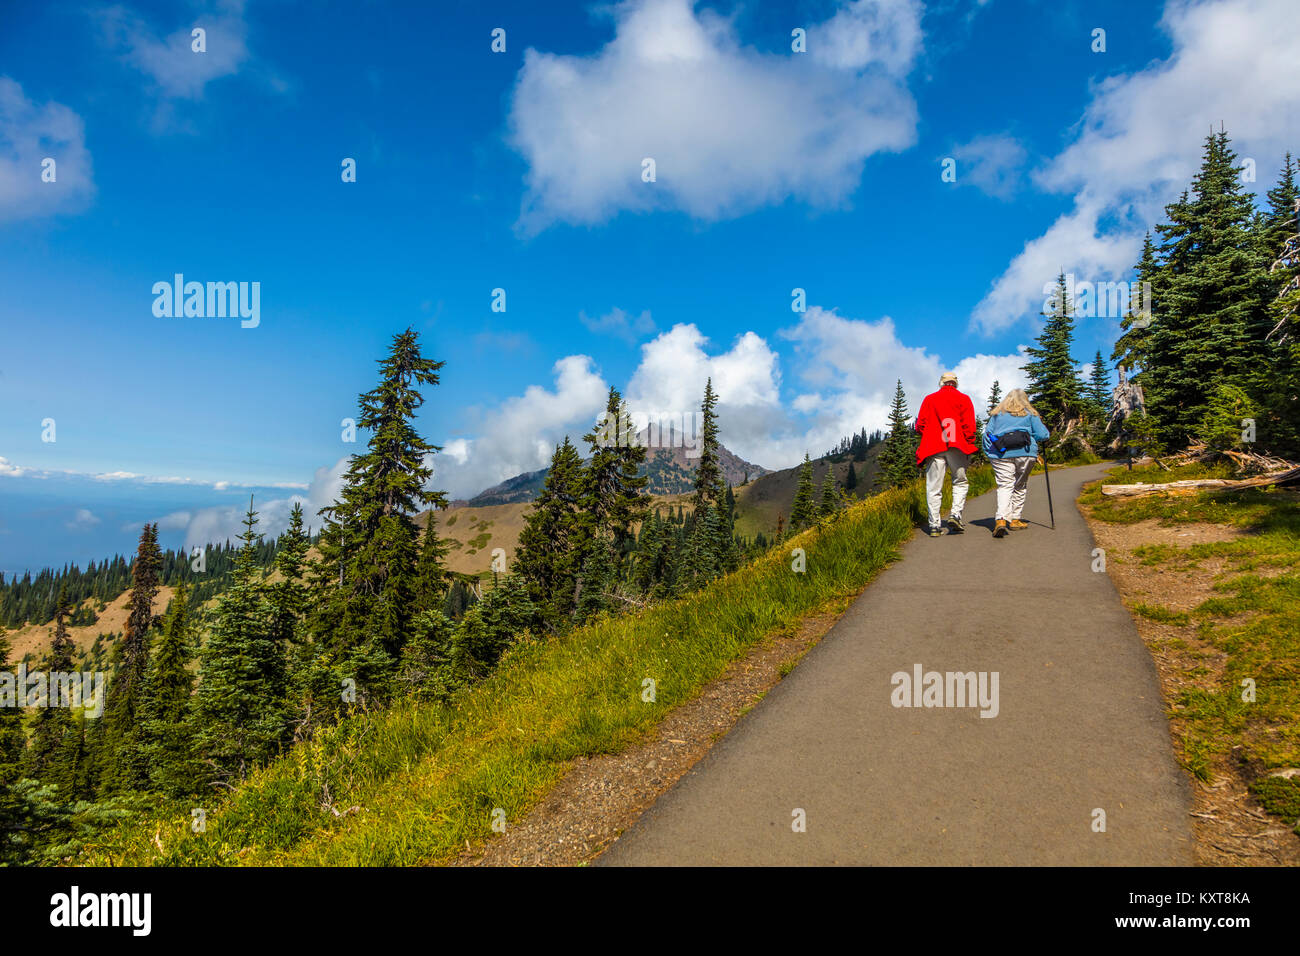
{"x": 1132, "y": 346}
{"x": 802, "y": 513}
{"x": 52, "y": 726}
{"x": 123, "y": 766}
{"x": 995, "y": 395}
{"x": 1054, "y": 385}
{"x": 546, "y": 559}
{"x": 897, "y": 459}
{"x": 1099, "y": 384}
{"x": 239, "y": 708}
{"x": 431, "y": 573}
{"x": 611, "y": 502}
{"x": 167, "y": 733}
{"x": 287, "y": 597}
{"x": 830, "y": 499}
{"x": 369, "y": 542}
{"x": 708, "y": 471}
{"x": 1211, "y": 319}
{"x": 851, "y": 479}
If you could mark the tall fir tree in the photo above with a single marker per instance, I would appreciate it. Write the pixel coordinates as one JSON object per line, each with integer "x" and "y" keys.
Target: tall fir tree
{"x": 995, "y": 395}
{"x": 52, "y": 733}
{"x": 1054, "y": 385}
{"x": 830, "y": 497}
{"x": 122, "y": 763}
{"x": 167, "y": 729}
{"x": 709, "y": 482}
{"x": 240, "y": 714}
{"x": 547, "y": 556}
{"x": 1211, "y": 319}
{"x": 432, "y": 575}
{"x": 897, "y": 461}
{"x": 369, "y": 542}
{"x": 803, "y": 511}
{"x": 1132, "y": 346}
{"x": 612, "y": 501}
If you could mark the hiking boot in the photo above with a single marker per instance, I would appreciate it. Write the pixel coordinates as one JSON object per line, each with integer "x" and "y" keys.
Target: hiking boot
{"x": 1016, "y": 524}
{"x": 935, "y": 532}
{"x": 1000, "y": 529}
{"x": 957, "y": 525}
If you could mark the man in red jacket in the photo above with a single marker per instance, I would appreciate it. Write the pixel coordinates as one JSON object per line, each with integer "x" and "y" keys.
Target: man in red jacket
{"x": 946, "y": 422}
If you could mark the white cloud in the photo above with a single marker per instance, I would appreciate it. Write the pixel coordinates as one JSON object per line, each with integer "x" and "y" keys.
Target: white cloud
{"x": 83, "y": 520}
{"x": 175, "y": 68}
{"x": 10, "y": 470}
{"x": 1140, "y": 138}
{"x": 992, "y": 164}
{"x": 853, "y": 365}
{"x": 521, "y": 433}
{"x": 669, "y": 384}
{"x": 619, "y": 324}
{"x": 29, "y": 134}
{"x": 730, "y": 128}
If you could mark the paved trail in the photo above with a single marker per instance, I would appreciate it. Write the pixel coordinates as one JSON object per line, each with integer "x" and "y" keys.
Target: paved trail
{"x": 1080, "y": 724}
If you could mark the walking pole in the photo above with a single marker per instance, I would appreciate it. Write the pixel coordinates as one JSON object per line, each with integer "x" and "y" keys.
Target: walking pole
{"x": 1050, "y": 511}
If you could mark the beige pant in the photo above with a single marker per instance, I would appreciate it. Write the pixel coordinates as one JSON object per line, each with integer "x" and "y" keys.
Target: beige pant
{"x": 1012, "y": 475}
{"x": 935, "y": 467}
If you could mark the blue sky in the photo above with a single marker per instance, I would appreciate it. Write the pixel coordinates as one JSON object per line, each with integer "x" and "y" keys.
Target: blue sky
{"x": 522, "y": 170}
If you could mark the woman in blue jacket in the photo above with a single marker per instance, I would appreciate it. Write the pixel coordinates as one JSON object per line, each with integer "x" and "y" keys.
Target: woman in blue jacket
{"x": 1011, "y": 438}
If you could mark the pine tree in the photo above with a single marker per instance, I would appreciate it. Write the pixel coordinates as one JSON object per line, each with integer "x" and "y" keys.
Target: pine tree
{"x": 1132, "y": 347}
{"x": 995, "y": 395}
{"x": 239, "y": 708}
{"x": 897, "y": 459}
{"x": 287, "y": 597}
{"x": 830, "y": 498}
{"x": 547, "y": 556}
{"x": 122, "y": 763}
{"x": 708, "y": 470}
{"x": 801, "y": 512}
{"x": 851, "y": 479}
{"x": 611, "y": 502}
{"x": 1211, "y": 319}
{"x": 1054, "y": 385}
{"x": 369, "y": 540}
{"x": 431, "y": 573}
{"x": 167, "y": 733}
{"x": 52, "y": 727}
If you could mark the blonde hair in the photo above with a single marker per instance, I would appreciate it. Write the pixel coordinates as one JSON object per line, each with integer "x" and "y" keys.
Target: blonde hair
{"x": 1015, "y": 402}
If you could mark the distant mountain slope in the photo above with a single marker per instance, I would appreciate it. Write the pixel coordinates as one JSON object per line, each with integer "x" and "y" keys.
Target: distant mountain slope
{"x": 759, "y": 503}
{"x": 671, "y": 471}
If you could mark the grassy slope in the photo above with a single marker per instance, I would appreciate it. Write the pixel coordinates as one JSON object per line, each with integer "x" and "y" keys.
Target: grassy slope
{"x": 1253, "y": 624}
{"x": 413, "y": 783}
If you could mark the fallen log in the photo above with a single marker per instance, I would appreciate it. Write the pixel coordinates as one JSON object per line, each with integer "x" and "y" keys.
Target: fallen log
{"x": 1192, "y": 485}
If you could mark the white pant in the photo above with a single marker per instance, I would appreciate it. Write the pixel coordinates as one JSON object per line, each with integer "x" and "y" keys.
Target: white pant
{"x": 935, "y": 466}
{"x": 1012, "y": 475}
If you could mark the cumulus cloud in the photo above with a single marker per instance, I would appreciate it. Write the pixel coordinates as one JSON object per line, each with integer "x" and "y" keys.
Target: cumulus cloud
{"x": 668, "y": 384}
{"x": 851, "y": 367}
{"x": 730, "y": 128}
{"x": 10, "y": 470}
{"x": 521, "y": 433}
{"x": 1140, "y": 138}
{"x": 30, "y": 133}
{"x": 226, "y": 522}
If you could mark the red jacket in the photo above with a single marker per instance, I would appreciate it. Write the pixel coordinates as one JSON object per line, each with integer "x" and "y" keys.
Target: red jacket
{"x": 953, "y": 408}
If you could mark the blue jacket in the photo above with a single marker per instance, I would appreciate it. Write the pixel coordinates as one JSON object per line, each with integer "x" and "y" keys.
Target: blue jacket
{"x": 1002, "y": 423}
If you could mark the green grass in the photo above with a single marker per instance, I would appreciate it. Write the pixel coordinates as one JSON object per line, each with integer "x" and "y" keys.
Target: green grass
{"x": 1161, "y": 614}
{"x": 1252, "y": 622}
{"x": 425, "y": 778}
